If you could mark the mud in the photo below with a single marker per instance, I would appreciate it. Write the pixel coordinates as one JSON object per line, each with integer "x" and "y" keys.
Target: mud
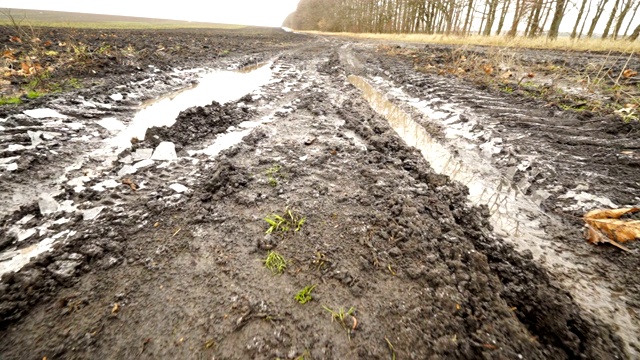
{"x": 162, "y": 255}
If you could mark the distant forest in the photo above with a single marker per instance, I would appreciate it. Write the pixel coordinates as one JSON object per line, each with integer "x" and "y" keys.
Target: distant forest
{"x": 530, "y": 18}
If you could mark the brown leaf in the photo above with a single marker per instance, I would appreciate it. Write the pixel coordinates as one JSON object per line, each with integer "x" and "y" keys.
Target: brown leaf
{"x": 605, "y": 226}
{"x": 131, "y": 184}
{"x": 25, "y": 68}
{"x": 610, "y": 213}
{"x": 15, "y": 39}
{"x": 8, "y": 54}
{"x": 506, "y": 75}
{"x": 531, "y": 75}
{"x": 488, "y": 69}
{"x": 629, "y": 73}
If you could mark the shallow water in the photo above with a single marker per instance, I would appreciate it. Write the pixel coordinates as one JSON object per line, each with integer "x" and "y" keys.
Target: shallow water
{"x": 514, "y": 216}
{"x": 220, "y": 86}
{"x": 507, "y": 205}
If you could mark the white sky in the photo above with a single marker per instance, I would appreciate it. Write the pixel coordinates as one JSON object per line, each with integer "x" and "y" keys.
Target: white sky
{"x": 245, "y": 12}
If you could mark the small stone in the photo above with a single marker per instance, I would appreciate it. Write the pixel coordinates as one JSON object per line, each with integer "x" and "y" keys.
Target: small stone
{"x": 44, "y": 113}
{"x": 36, "y": 137}
{"x": 142, "y": 154}
{"x": 91, "y": 214}
{"x": 143, "y": 164}
{"x": 126, "y": 170}
{"x": 179, "y": 188}
{"x": 116, "y": 97}
{"x": 47, "y": 204}
{"x": 64, "y": 268}
{"x": 395, "y": 251}
{"x": 166, "y": 151}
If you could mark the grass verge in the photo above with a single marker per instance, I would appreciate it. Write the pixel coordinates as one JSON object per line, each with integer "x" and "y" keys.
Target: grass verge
{"x": 600, "y": 45}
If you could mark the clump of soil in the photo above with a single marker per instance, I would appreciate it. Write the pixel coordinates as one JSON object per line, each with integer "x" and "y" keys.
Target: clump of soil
{"x": 197, "y": 123}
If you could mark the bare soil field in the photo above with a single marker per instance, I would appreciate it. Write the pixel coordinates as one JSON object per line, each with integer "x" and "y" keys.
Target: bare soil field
{"x": 259, "y": 194}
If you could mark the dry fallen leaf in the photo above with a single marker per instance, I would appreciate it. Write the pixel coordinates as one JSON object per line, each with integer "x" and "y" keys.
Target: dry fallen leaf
{"x": 115, "y": 308}
{"x": 506, "y": 75}
{"x": 25, "y": 68}
{"x": 488, "y": 69}
{"x": 131, "y": 184}
{"x": 629, "y": 73}
{"x": 605, "y": 226}
{"x": 8, "y": 54}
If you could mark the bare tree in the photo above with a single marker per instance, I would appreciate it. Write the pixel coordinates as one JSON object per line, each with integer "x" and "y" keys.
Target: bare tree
{"x": 605, "y": 33}
{"x": 635, "y": 33}
{"x": 635, "y": 9}
{"x": 596, "y": 17}
{"x": 623, "y": 13}
{"x": 557, "y": 18}
{"x": 580, "y": 12}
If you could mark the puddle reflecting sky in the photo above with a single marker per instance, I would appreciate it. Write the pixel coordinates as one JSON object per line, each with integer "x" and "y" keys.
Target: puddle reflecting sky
{"x": 221, "y": 86}
{"x": 486, "y": 185}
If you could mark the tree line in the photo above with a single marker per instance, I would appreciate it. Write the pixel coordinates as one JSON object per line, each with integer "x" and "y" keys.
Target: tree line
{"x": 531, "y": 18}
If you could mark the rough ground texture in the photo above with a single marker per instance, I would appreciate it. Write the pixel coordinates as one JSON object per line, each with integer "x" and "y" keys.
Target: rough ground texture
{"x": 165, "y": 271}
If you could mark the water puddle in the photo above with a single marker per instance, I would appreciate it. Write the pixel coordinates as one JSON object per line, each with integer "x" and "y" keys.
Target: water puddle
{"x": 514, "y": 216}
{"x": 230, "y": 138}
{"x": 509, "y": 208}
{"x": 220, "y": 86}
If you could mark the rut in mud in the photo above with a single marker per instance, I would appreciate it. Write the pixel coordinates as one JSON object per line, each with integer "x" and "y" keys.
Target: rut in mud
{"x": 171, "y": 264}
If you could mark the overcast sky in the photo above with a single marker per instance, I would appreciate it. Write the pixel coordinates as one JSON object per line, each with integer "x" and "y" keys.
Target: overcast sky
{"x": 245, "y": 12}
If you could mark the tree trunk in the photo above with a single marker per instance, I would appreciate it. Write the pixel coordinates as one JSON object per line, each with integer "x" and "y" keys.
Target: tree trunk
{"x": 584, "y": 22}
{"x": 503, "y": 15}
{"x": 557, "y": 18}
{"x": 635, "y": 33}
{"x": 468, "y": 19}
{"x": 596, "y": 17}
{"x": 534, "y": 21}
{"x": 635, "y": 9}
{"x": 605, "y": 34}
{"x": 484, "y": 15}
{"x": 546, "y": 11}
{"x": 623, "y": 13}
{"x": 580, "y": 12}
{"x": 491, "y": 16}
{"x": 517, "y": 16}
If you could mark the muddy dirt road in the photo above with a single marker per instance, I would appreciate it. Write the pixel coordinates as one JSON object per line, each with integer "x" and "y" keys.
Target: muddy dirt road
{"x": 431, "y": 218}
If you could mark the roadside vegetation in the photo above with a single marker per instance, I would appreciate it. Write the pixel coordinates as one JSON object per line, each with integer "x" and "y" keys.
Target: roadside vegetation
{"x": 519, "y": 42}
{"x": 43, "y": 52}
{"x": 608, "y": 85}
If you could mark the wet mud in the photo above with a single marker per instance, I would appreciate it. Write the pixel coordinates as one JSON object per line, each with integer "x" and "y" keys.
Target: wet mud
{"x": 156, "y": 246}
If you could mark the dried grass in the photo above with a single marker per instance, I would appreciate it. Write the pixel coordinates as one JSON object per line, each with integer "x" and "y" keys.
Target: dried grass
{"x": 566, "y": 43}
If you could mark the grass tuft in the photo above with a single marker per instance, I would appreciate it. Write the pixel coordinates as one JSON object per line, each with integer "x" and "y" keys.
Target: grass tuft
{"x": 304, "y": 296}
{"x": 275, "y": 262}
{"x": 10, "y": 100}
{"x": 283, "y": 223}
